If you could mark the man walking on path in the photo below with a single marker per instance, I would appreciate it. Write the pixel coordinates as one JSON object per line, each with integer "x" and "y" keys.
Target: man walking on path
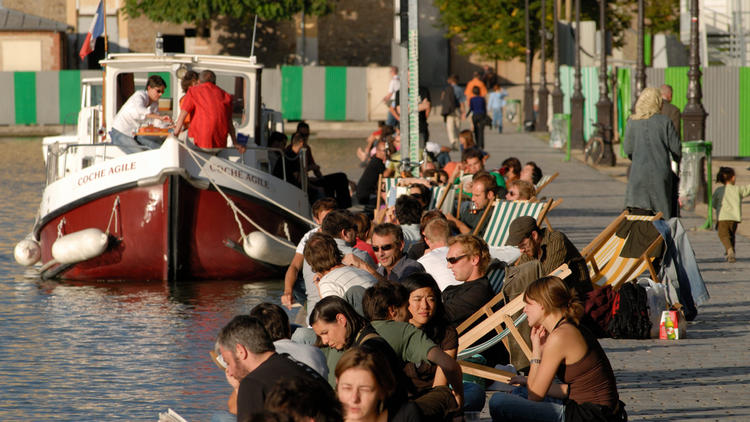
{"x": 452, "y": 102}
{"x": 670, "y": 110}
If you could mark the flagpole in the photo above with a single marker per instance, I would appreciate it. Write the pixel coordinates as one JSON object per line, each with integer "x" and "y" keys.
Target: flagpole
{"x": 104, "y": 73}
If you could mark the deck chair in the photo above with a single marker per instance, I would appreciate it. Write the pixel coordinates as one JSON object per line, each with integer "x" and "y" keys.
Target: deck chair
{"x": 504, "y": 212}
{"x": 442, "y": 198}
{"x": 602, "y": 255}
{"x": 502, "y": 323}
{"x": 544, "y": 181}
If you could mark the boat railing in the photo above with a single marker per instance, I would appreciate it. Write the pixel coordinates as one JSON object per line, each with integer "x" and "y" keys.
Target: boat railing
{"x": 63, "y": 159}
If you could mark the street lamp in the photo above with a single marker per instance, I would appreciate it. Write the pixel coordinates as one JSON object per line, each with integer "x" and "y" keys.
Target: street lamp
{"x": 577, "y": 100}
{"x": 640, "y": 67}
{"x": 543, "y": 93}
{"x": 528, "y": 92}
{"x": 604, "y": 105}
{"x": 694, "y": 115}
{"x": 557, "y": 94}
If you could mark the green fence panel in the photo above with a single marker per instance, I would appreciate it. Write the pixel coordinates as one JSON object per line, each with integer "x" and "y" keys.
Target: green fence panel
{"x": 24, "y": 84}
{"x": 291, "y": 92}
{"x": 648, "y": 41}
{"x": 624, "y": 95}
{"x": 744, "y": 114}
{"x": 678, "y": 79}
{"x": 70, "y": 96}
{"x": 335, "y": 107}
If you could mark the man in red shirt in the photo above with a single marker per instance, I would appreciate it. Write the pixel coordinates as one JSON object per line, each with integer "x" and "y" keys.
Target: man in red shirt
{"x": 210, "y": 108}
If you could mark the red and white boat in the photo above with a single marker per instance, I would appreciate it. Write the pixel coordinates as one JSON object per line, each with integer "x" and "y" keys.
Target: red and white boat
{"x": 173, "y": 213}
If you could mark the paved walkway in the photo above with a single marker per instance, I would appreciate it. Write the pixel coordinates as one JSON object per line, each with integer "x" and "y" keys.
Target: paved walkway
{"x": 703, "y": 377}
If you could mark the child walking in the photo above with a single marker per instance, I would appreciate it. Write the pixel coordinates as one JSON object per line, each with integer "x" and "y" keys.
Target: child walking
{"x": 727, "y": 199}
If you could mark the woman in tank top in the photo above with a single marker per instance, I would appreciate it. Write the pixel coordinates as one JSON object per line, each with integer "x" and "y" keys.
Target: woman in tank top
{"x": 560, "y": 347}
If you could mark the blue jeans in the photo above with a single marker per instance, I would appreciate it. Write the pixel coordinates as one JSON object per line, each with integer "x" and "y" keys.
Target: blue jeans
{"x": 497, "y": 119}
{"x": 130, "y": 144}
{"x": 223, "y": 416}
{"x": 474, "y": 397}
{"x": 390, "y": 120}
{"x": 517, "y": 407}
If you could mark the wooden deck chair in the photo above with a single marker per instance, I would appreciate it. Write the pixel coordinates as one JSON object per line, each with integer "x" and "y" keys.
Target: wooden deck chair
{"x": 442, "y": 198}
{"x": 544, "y": 181}
{"x": 555, "y": 203}
{"x": 502, "y": 322}
{"x": 602, "y": 255}
{"x": 504, "y": 212}
{"x": 385, "y": 185}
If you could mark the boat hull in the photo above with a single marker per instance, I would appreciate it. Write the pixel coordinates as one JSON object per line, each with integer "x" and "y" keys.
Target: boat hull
{"x": 168, "y": 230}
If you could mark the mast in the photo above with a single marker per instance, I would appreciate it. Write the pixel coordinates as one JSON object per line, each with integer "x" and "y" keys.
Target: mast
{"x": 103, "y": 129}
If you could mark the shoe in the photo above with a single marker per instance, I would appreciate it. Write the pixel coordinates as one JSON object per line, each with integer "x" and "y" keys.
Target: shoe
{"x": 730, "y": 256}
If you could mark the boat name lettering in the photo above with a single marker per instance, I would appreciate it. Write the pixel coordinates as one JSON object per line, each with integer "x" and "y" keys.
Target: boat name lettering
{"x": 233, "y": 172}
{"x": 104, "y": 172}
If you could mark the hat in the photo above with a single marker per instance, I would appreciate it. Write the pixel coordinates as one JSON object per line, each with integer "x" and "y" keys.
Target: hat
{"x": 520, "y": 229}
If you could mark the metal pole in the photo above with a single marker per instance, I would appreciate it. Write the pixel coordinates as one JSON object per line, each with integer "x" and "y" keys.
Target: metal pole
{"x": 577, "y": 100}
{"x": 640, "y": 67}
{"x": 528, "y": 91}
{"x": 543, "y": 93}
{"x": 413, "y": 144}
{"x": 694, "y": 115}
{"x": 604, "y": 105}
{"x": 557, "y": 94}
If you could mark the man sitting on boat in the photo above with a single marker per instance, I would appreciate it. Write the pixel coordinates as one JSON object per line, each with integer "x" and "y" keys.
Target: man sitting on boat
{"x": 210, "y": 108}
{"x": 140, "y": 107}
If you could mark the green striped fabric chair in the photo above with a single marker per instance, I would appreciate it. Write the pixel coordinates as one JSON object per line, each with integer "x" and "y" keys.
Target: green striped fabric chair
{"x": 504, "y": 212}
{"x": 544, "y": 181}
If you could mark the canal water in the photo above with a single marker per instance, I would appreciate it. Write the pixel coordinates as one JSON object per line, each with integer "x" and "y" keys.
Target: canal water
{"x": 73, "y": 351}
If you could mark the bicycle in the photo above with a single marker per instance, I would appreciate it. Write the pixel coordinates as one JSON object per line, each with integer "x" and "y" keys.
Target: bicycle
{"x": 594, "y": 148}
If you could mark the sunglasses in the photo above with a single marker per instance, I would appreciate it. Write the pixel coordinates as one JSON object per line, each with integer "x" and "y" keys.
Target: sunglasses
{"x": 387, "y": 247}
{"x": 454, "y": 259}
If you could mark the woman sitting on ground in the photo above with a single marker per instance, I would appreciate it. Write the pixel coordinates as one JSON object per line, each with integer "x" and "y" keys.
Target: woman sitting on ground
{"x": 366, "y": 387}
{"x": 560, "y": 347}
{"x": 428, "y": 314}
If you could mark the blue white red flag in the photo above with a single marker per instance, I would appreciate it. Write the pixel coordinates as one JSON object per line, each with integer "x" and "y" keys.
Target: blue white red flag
{"x": 95, "y": 30}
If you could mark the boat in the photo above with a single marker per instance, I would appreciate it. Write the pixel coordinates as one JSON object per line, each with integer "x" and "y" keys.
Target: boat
{"x": 178, "y": 212}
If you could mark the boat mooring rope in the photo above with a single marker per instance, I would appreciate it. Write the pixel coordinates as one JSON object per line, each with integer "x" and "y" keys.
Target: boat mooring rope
{"x": 235, "y": 209}
{"x": 113, "y": 215}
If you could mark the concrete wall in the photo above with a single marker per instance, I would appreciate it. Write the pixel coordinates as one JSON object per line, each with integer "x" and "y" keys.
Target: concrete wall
{"x": 32, "y": 51}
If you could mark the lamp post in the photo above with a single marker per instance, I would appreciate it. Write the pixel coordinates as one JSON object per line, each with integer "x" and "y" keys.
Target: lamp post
{"x": 543, "y": 93}
{"x": 640, "y": 66}
{"x": 557, "y": 94}
{"x": 694, "y": 115}
{"x": 528, "y": 92}
{"x": 577, "y": 100}
{"x": 604, "y": 105}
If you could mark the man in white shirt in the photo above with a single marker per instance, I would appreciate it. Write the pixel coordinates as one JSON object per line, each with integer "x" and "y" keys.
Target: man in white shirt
{"x": 140, "y": 107}
{"x": 436, "y": 234}
{"x": 393, "y": 86}
{"x": 334, "y": 278}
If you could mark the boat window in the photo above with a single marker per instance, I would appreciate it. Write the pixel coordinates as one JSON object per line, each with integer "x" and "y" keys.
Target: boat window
{"x": 95, "y": 94}
{"x": 236, "y": 86}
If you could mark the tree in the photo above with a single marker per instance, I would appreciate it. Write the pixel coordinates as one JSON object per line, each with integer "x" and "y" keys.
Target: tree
{"x": 495, "y": 29}
{"x": 203, "y": 11}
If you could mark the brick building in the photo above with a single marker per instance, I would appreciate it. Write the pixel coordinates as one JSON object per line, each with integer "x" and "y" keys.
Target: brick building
{"x": 31, "y": 43}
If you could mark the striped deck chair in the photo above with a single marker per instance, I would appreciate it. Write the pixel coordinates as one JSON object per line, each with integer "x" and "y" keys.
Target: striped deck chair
{"x": 606, "y": 266}
{"x": 502, "y": 323}
{"x": 442, "y": 198}
{"x": 504, "y": 212}
{"x": 544, "y": 181}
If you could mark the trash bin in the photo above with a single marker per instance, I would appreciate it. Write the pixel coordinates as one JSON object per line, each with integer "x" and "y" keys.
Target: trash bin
{"x": 694, "y": 185}
{"x": 559, "y": 134}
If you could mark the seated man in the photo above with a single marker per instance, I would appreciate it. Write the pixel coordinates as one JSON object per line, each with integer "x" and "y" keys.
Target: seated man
{"x": 367, "y": 187}
{"x": 531, "y": 173}
{"x": 140, "y": 107}
{"x": 408, "y": 215}
{"x": 334, "y": 185}
{"x": 210, "y": 108}
{"x": 468, "y": 257}
{"x": 334, "y": 278}
{"x": 436, "y": 234}
{"x": 388, "y": 244}
{"x": 483, "y": 195}
{"x": 254, "y": 366}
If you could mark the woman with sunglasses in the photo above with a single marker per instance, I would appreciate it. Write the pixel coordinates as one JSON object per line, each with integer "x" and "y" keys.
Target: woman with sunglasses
{"x": 339, "y": 327}
{"x": 562, "y": 348}
{"x": 427, "y": 314}
{"x": 366, "y": 388}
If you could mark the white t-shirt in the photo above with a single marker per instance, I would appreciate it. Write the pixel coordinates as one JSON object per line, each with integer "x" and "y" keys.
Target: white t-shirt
{"x": 434, "y": 264}
{"x": 337, "y": 281}
{"x": 393, "y": 87}
{"x": 305, "y": 353}
{"x": 133, "y": 113}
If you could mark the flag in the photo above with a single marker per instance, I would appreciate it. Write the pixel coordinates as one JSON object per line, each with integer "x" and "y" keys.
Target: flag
{"x": 96, "y": 30}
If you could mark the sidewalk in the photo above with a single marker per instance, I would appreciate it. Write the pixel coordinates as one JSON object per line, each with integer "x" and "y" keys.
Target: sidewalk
{"x": 707, "y": 375}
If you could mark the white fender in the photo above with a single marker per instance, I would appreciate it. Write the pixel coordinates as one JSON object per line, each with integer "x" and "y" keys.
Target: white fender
{"x": 79, "y": 246}
{"x": 27, "y": 252}
{"x": 261, "y": 247}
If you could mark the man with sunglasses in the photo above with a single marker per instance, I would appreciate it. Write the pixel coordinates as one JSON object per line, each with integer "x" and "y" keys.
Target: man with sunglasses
{"x": 468, "y": 257}
{"x": 141, "y": 107}
{"x": 483, "y": 189}
{"x": 388, "y": 244}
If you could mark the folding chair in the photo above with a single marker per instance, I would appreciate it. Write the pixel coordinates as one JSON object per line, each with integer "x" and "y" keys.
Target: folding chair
{"x": 504, "y": 212}
{"x": 385, "y": 185}
{"x": 442, "y": 198}
{"x": 544, "y": 181}
{"x": 502, "y": 322}
{"x": 603, "y": 255}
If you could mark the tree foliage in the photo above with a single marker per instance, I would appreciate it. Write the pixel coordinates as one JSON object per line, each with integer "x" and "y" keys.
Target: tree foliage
{"x": 662, "y": 16}
{"x": 201, "y": 11}
{"x": 496, "y": 29}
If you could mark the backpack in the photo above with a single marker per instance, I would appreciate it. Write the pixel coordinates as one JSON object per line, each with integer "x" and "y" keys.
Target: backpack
{"x": 448, "y": 101}
{"x": 630, "y": 313}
